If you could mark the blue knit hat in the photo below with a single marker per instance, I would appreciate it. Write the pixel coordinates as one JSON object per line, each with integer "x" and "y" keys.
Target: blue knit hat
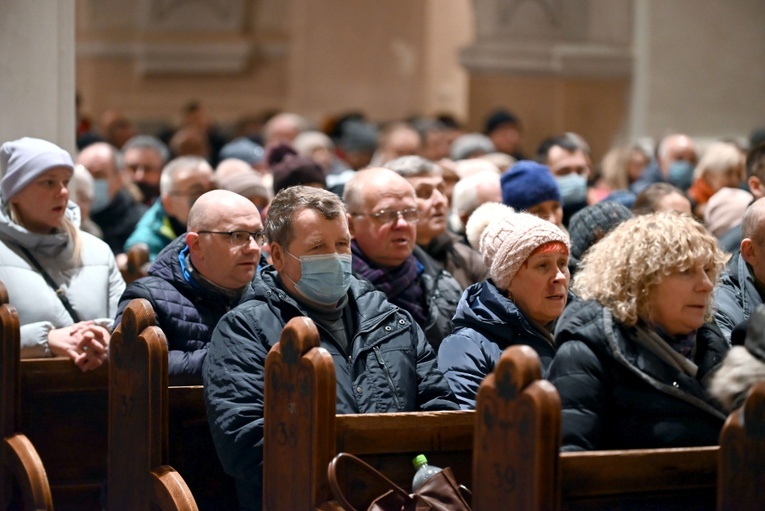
{"x": 23, "y": 160}
{"x": 528, "y": 183}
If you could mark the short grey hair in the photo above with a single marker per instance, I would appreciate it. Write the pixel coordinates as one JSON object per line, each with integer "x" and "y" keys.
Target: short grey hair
{"x": 166, "y": 181}
{"x": 148, "y": 142}
{"x": 413, "y": 166}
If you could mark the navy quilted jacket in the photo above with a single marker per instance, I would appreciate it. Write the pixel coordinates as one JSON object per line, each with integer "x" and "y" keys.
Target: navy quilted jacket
{"x": 186, "y": 312}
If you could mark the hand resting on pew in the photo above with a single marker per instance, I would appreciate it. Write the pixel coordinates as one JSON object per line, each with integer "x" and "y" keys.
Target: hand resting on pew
{"x": 86, "y": 343}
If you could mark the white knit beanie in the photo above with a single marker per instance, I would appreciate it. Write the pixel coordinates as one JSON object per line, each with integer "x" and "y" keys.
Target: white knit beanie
{"x": 506, "y": 239}
{"x": 23, "y": 160}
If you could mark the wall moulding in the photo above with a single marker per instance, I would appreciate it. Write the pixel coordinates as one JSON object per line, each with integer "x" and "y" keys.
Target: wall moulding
{"x": 510, "y": 57}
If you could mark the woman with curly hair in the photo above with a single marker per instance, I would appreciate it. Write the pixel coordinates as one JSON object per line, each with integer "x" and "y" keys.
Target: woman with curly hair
{"x": 635, "y": 354}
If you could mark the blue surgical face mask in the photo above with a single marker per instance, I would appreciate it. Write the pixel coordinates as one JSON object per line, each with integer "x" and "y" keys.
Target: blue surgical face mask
{"x": 100, "y": 195}
{"x": 573, "y": 189}
{"x": 681, "y": 174}
{"x": 325, "y": 278}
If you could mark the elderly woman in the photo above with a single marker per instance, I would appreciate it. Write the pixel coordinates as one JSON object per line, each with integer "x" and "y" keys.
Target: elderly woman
{"x": 64, "y": 283}
{"x": 635, "y": 353}
{"x": 527, "y": 259}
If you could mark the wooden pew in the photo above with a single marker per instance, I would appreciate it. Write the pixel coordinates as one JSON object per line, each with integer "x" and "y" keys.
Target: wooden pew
{"x": 138, "y": 418}
{"x": 302, "y": 434}
{"x": 21, "y": 466}
{"x": 517, "y": 436}
{"x": 186, "y": 443}
{"x": 64, "y": 413}
{"x": 741, "y": 478}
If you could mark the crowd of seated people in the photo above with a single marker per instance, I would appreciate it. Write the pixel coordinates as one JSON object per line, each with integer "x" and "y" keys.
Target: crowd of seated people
{"x": 630, "y": 278}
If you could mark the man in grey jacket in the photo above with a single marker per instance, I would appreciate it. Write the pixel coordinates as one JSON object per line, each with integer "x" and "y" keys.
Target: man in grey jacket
{"x": 382, "y": 361}
{"x": 742, "y": 286}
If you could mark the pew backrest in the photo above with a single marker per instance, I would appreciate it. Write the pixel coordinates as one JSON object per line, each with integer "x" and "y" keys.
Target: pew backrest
{"x": 138, "y": 417}
{"x": 517, "y": 436}
{"x": 20, "y": 463}
{"x": 741, "y": 479}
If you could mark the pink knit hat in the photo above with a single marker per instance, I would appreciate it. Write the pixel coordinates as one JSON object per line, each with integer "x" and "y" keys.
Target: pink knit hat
{"x": 506, "y": 239}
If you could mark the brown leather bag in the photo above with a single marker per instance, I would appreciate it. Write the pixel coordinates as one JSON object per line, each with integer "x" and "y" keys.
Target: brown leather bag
{"x": 439, "y": 493}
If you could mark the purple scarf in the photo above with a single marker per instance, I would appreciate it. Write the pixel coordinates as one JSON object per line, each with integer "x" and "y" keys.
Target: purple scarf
{"x": 401, "y": 284}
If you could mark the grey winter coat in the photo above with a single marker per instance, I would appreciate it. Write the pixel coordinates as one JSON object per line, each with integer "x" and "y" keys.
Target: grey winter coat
{"x": 736, "y": 297}
{"x": 92, "y": 287}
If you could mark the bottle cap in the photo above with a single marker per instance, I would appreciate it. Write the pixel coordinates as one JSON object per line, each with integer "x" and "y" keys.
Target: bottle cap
{"x": 419, "y": 461}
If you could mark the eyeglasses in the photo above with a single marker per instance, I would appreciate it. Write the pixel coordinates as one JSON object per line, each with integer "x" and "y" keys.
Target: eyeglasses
{"x": 241, "y": 238}
{"x": 387, "y": 216}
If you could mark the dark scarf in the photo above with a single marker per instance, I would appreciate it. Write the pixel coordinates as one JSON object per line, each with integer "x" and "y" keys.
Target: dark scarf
{"x": 401, "y": 284}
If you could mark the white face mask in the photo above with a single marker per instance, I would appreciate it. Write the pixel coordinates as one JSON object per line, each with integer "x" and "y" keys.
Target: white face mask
{"x": 324, "y": 278}
{"x": 100, "y": 195}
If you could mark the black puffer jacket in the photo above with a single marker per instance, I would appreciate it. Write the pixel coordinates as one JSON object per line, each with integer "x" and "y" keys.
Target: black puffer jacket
{"x": 617, "y": 394}
{"x": 442, "y": 293}
{"x": 186, "y": 312}
{"x": 391, "y": 368}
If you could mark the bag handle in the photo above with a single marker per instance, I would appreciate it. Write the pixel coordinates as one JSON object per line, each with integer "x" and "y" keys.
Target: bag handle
{"x": 350, "y": 458}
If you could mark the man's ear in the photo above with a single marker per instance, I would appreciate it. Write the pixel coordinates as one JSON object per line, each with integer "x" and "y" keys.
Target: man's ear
{"x": 756, "y": 187}
{"x": 748, "y": 251}
{"x": 167, "y": 204}
{"x": 192, "y": 240}
{"x": 277, "y": 256}
{"x": 351, "y": 227}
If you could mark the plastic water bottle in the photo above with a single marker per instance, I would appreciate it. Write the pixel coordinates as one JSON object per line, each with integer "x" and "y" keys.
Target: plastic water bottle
{"x": 423, "y": 471}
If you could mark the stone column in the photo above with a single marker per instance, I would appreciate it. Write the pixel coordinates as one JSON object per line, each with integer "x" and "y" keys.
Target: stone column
{"x": 37, "y": 70}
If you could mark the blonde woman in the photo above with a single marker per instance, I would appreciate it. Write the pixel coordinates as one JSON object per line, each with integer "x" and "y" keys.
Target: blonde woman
{"x": 64, "y": 283}
{"x": 634, "y": 355}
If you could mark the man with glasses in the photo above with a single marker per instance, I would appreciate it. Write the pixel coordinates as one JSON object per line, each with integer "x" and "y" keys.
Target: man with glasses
{"x": 183, "y": 181}
{"x": 383, "y": 220}
{"x": 200, "y": 276}
{"x": 462, "y": 262}
{"x": 382, "y": 361}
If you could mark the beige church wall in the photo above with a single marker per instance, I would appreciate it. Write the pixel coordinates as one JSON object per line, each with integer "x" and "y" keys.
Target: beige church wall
{"x": 389, "y": 59}
{"x": 559, "y": 66}
{"x": 547, "y": 105}
{"x": 149, "y": 65}
{"x": 703, "y": 67}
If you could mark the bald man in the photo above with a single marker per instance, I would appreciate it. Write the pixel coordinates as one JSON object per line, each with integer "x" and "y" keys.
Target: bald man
{"x": 113, "y": 208}
{"x": 742, "y": 285}
{"x": 200, "y": 276}
{"x": 382, "y": 218}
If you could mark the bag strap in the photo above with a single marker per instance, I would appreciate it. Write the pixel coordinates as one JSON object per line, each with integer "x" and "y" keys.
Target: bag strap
{"x": 49, "y": 280}
{"x": 350, "y": 458}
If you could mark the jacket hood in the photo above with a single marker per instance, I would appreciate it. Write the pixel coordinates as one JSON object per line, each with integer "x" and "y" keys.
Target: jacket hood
{"x": 486, "y": 310}
{"x": 50, "y": 245}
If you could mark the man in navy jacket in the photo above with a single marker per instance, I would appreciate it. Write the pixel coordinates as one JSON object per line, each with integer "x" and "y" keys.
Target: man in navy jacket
{"x": 199, "y": 277}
